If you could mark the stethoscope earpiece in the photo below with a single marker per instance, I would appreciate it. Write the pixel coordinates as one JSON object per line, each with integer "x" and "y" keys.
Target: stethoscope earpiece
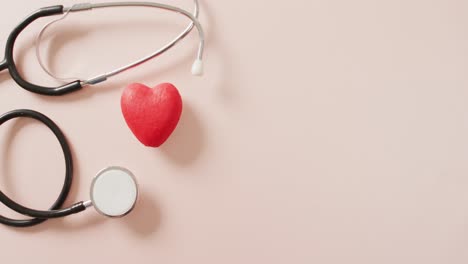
{"x": 197, "y": 68}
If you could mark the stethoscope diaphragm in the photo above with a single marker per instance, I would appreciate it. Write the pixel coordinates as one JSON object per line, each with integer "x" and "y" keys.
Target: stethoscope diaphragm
{"x": 114, "y": 192}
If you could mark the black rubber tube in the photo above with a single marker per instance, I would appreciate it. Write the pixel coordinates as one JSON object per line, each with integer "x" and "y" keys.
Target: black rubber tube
{"x": 3, "y": 65}
{"x": 55, "y": 211}
{"x": 10, "y": 62}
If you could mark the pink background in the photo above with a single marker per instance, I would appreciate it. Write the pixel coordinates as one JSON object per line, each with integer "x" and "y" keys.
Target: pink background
{"x": 328, "y": 132}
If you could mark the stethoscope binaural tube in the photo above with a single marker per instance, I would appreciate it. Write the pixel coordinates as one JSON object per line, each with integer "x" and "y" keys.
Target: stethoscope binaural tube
{"x": 9, "y": 63}
{"x": 113, "y": 192}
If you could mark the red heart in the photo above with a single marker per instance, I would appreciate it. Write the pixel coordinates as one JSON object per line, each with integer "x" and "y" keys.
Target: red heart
{"x": 151, "y": 114}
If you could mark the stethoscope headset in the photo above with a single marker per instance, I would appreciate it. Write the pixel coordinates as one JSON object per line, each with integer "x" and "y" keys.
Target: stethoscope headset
{"x": 114, "y": 190}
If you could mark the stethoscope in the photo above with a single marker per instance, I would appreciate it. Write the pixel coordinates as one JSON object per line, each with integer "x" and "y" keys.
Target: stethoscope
{"x": 114, "y": 190}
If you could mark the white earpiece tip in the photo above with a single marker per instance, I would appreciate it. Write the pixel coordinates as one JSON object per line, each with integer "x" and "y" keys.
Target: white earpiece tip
{"x": 197, "y": 68}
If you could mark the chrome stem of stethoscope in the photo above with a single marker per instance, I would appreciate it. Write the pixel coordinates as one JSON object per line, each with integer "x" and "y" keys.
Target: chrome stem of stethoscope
{"x": 88, "y": 204}
{"x": 197, "y": 67}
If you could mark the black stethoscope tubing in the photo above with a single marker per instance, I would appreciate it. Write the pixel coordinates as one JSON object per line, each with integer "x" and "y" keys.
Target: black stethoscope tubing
{"x": 54, "y": 211}
{"x": 9, "y": 62}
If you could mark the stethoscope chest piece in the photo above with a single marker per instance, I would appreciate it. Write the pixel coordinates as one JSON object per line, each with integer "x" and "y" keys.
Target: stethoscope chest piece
{"x": 114, "y": 192}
